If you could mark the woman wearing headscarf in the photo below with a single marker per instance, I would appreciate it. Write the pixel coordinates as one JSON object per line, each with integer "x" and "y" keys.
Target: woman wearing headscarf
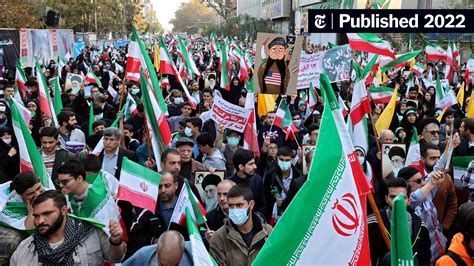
{"x": 409, "y": 121}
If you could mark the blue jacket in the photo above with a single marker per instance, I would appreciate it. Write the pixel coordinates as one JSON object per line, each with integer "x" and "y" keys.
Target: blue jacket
{"x": 255, "y": 183}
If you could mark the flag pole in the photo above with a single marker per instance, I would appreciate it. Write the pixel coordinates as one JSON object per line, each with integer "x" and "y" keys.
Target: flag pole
{"x": 122, "y": 91}
{"x": 370, "y": 196}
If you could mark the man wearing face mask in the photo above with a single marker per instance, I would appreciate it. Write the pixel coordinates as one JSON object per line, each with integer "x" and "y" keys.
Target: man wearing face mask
{"x": 10, "y": 163}
{"x": 176, "y": 101}
{"x": 242, "y": 237}
{"x": 281, "y": 183}
{"x": 232, "y": 144}
{"x": 193, "y": 130}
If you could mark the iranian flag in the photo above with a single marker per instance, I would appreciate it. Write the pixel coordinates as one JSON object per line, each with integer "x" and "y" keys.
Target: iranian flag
{"x": 187, "y": 199}
{"x": 198, "y": 250}
{"x": 92, "y": 78}
{"x": 312, "y": 100}
{"x": 344, "y": 109}
{"x": 191, "y": 67}
{"x": 20, "y": 79}
{"x": 118, "y": 67}
{"x": 401, "y": 252}
{"x": 330, "y": 205}
{"x": 30, "y": 158}
{"x": 132, "y": 69}
{"x": 224, "y": 67}
{"x": 214, "y": 43}
{"x": 166, "y": 63}
{"x": 284, "y": 121}
{"x": 13, "y": 210}
{"x": 100, "y": 145}
{"x": 359, "y": 133}
{"x": 98, "y": 205}
{"x": 46, "y": 105}
{"x": 418, "y": 69}
{"x": 401, "y": 60}
{"x": 369, "y": 42}
{"x": 243, "y": 72}
{"x": 382, "y": 94}
{"x": 450, "y": 55}
{"x": 250, "y": 130}
{"x": 434, "y": 52}
{"x": 413, "y": 155}
{"x": 360, "y": 103}
{"x": 139, "y": 185}
{"x": 444, "y": 98}
{"x": 456, "y": 57}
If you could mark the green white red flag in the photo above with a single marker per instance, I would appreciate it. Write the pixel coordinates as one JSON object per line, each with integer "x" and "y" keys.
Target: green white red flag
{"x": 30, "y": 158}
{"x": 418, "y": 69}
{"x": 166, "y": 64}
{"x": 191, "y": 68}
{"x": 382, "y": 94}
{"x": 58, "y": 103}
{"x": 20, "y": 80}
{"x": 369, "y": 42}
{"x": 13, "y": 210}
{"x": 330, "y": 205}
{"x": 413, "y": 155}
{"x": 91, "y": 78}
{"x": 284, "y": 120}
{"x": 250, "y": 130}
{"x": 444, "y": 98}
{"x": 138, "y": 185}
{"x": 199, "y": 253}
{"x": 98, "y": 205}
{"x": 435, "y": 52}
{"x": 187, "y": 199}
{"x": 312, "y": 100}
{"x": 46, "y": 105}
{"x": 386, "y": 62}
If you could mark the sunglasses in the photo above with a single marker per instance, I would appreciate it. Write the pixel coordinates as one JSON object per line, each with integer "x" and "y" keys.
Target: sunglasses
{"x": 433, "y": 132}
{"x": 418, "y": 181}
{"x": 63, "y": 182}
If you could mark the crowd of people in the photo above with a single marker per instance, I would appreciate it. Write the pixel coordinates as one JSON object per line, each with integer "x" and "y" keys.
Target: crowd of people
{"x": 256, "y": 187}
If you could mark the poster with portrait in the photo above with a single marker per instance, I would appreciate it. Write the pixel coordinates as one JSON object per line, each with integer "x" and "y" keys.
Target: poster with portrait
{"x": 306, "y": 149}
{"x": 73, "y": 82}
{"x": 200, "y": 177}
{"x": 276, "y": 63}
{"x": 393, "y": 158}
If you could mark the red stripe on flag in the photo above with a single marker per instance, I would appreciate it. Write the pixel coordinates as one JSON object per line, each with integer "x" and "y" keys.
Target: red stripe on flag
{"x": 136, "y": 198}
{"x": 360, "y": 110}
{"x": 362, "y": 45}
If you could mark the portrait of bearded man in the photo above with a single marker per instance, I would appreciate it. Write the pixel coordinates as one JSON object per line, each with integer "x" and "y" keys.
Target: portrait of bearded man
{"x": 273, "y": 75}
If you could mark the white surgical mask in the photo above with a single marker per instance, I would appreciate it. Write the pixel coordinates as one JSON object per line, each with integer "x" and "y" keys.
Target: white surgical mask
{"x": 178, "y": 100}
{"x": 99, "y": 116}
{"x": 297, "y": 123}
{"x": 7, "y": 140}
{"x": 3, "y": 109}
{"x": 188, "y": 132}
{"x": 361, "y": 159}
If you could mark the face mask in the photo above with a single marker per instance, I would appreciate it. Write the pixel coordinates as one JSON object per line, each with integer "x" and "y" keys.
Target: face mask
{"x": 361, "y": 159}
{"x": 284, "y": 166}
{"x": 238, "y": 216}
{"x": 233, "y": 141}
{"x": 7, "y": 141}
{"x": 188, "y": 132}
{"x": 297, "y": 123}
{"x": 3, "y": 109}
{"x": 135, "y": 91}
{"x": 99, "y": 116}
{"x": 178, "y": 100}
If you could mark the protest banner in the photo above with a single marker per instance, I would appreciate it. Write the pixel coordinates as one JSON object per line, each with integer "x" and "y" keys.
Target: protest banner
{"x": 231, "y": 116}
{"x": 336, "y": 63}
{"x": 277, "y": 59}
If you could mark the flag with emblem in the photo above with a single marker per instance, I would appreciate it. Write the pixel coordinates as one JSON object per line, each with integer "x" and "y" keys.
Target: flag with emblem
{"x": 198, "y": 250}
{"x": 401, "y": 252}
{"x": 418, "y": 69}
{"x": 382, "y": 94}
{"x": 330, "y": 205}
{"x": 369, "y": 42}
{"x": 13, "y": 210}
{"x": 444, "y": 98}
{"x": 138, "y": 185}
{"x": 434, "y": 52}
{"x": 187, "y": 199}
{"x": 413, "y": 155}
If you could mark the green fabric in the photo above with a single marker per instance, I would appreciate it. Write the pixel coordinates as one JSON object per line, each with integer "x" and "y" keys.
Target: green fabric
{"x": 401, "y": 251}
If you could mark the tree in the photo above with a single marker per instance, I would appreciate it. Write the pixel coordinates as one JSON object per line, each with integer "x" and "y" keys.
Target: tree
{"x": 138, "y": 17}
{"x": 18, "y": 15}
{"x": 221, "y": 7}
{"x": 192, "y": 16}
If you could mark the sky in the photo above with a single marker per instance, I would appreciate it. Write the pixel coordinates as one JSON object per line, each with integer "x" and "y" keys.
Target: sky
{"x": 165, "y": 11}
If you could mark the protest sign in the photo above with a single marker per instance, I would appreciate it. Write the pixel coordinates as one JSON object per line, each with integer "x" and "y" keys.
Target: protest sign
{"x": 393, "y": 158}
{"x": 336, "y": 63}
{"x": 231, "y": 116}
{"x": 276, "y": 66}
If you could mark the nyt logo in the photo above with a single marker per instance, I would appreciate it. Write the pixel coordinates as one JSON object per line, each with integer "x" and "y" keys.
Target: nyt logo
{"x": 320, "y": 21}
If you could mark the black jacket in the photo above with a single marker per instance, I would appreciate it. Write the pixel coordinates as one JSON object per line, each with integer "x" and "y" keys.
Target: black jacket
{"x": 270, "y": 182}
{"x": 420, "y": 238}
{"x": 215, "y": 218}
{"x": 122, "y": 152}
{"x": 255, "y": 183}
